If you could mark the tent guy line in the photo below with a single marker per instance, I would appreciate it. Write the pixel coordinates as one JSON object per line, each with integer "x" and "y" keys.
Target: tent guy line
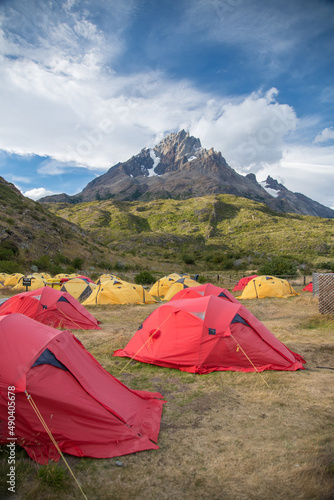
{"x": 44, "y": 424}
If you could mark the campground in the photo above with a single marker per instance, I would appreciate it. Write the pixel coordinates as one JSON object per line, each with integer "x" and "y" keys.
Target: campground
{"x": 224, "y": 435}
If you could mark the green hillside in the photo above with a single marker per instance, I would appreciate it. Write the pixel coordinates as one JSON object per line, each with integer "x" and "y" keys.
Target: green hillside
{"x": 215, "y": 231}
{"x": 30, "y": 235}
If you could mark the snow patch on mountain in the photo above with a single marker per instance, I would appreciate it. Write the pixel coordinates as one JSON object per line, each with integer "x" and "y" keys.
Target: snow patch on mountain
{"x": 272, "y": 192}
{"x": 156, "y": 161}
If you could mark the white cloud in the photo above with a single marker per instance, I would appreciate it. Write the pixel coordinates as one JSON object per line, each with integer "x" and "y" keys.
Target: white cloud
{"x": 37, "y": 193}
{"x": 326, "y": 135}
{"x": 249, "y": 133}
{"x": 307, "y": 170}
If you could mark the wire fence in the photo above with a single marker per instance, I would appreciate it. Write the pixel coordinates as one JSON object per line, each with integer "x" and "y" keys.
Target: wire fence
{"x": 323, "y": 287}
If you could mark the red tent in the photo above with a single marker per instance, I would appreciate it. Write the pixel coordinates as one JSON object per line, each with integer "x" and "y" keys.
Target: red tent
{"x": 89, "y": 280}
{"x": 195, "y": 292}
{"x": 89, "y": 412}
{"x": 51, "y": 307}
{"x": 85, "y": 278}
{"x": 309, "y": 287}
{"x": 208, "y": 334}
{"x": 243, "y": 282}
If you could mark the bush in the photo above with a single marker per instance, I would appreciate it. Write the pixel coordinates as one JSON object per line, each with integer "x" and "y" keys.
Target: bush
{"x": 278, "y": 266}
{"x": 43, "y": 263}
{"x": 77, "y": 263}
{"x": 61, "y": 259}
{"x": 325, "y": 266}
{"x": 103, "y": 264}
{"x": 7, "y": 266}
{"x": 144, "y": 278}
{"x": 188, "y": 259}
{"x": 119, "y": 266}
{"x": 8, "y": 250}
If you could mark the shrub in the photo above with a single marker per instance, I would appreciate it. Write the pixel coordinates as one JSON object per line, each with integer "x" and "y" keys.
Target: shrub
{"x": 228, "y": 264}
{"x": 218, "y": 257}
{"x": 77, "y": 263}
{"x": 8, "y": 250}
{"x": 43, "y": 263}
{"x": 119, "y": 266}
{"x": 188, "y": 259}
{"x": 61, "y": 259}
{"x": 325, "y": 266}
{"x": 278, "y": 266}
{"x": 7, "y": 266}
{"x": 144, "y": 278}
{"x": 103, "y": 264}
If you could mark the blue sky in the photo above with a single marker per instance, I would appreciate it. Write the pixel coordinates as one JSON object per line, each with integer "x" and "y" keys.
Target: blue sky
{"x": 84, "y": 85}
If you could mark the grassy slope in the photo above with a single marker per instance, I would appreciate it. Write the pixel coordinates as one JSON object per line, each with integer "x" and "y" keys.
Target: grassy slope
{"x": 217, "y": 222}
{"x": 37, "y": 232}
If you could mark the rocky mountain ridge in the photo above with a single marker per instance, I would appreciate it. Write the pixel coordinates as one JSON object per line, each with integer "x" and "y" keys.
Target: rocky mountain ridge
{"x": 178, "y": 167}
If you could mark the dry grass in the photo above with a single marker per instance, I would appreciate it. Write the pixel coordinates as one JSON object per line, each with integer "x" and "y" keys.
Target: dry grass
{"x": 224, "y": 435}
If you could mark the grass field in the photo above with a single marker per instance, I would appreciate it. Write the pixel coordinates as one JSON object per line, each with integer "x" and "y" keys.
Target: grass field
{"x": 226, "y": 435}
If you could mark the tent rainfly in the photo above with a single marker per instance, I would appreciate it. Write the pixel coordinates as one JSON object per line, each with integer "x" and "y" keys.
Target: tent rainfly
{"x": 51, "y": 307}
{"x": 36, "y": 282}
{"x": 208, "y": 334}
{"x": 13, "y": 279}
{"x": 79, "y": 288}
{"x": 243, "y": 282}
{"x": 162, "y": 285}
{"x": 309, "y": 287}
{"x": 196, "y": 292}
{"x": 89, "y": 412}
{"x": 178, "y": 285}
{"x": 119, "y": 292}
{"x": 267, "y": 286}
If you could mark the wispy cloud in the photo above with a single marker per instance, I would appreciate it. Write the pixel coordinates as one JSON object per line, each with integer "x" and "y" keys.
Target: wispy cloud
{"x": 18, "y": 179}
{"x": 326, "y": 135}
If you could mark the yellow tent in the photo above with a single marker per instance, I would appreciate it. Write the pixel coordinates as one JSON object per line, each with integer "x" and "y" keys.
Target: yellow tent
{"x": 107, "y": 277}
{"x": 61, "y": 275}
{"x": 3, "y": 276}
{"x": 267, "y": 286}
{"x": 116, "y": 292}
{"x": 178, "y": 285}
{"x": 79, "y": 288}
{"x": 13, "y": 279}
{"x": 43, "y": 275}
{"x": 161, "y": 287}
{"x": 36, "y": 282}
